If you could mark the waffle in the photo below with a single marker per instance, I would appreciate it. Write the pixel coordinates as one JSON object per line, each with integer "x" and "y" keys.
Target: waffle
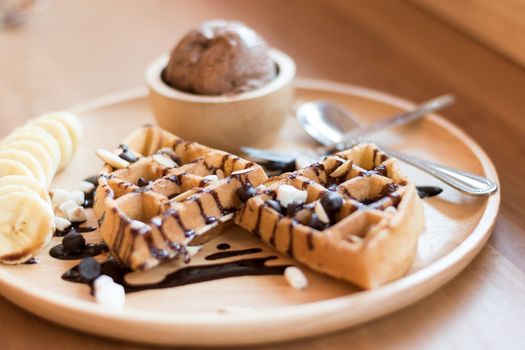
{"x": 372, "y": 234}
{"x": 150, "y": 212}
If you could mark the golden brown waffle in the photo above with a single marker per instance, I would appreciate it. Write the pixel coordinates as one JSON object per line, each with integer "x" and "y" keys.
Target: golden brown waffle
{"x": 149, "y": 212}
{"x": 374, "y": 221}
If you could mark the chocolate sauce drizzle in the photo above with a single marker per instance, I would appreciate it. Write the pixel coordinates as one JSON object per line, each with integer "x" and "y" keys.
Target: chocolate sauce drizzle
{"x": 223, "y": 246}
{"x": 89, "y": 250}
{"x": 31, "y": 261}
{"x": 187, "y": 275}
{"x": 232, "y": 253}
{"x": 428, "y": 191}
{"x": 75, "y": 226}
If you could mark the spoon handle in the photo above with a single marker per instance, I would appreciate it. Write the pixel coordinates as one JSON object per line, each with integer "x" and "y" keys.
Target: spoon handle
{"x": 402, "y": 118}
{"x": 464, "y": 182}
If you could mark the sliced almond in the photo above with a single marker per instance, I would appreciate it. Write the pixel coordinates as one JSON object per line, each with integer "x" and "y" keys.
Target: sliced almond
{"x": 184, "y": 195}
{"x": 321, "y": 213}
{"x": 242, "y": 171}
{"x": 354, "y": 239}
{"x": 192, "y": 250}
{"x": 111, "y": 158}
{"x": 206, "y": 228}
{"x": 342, "y": 169}
{"x": 164, "y": 161}
{"x": 226, "y": 217}
{"x": 211, "y": 178}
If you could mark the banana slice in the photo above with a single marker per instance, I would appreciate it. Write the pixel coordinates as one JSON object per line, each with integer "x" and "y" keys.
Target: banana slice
{"x": 39, "y": 152}
{"x": 26, "y": 226}
{"x": 33, "y": 133}
{"x": 72, "y": 124}
{"x": 60, "y": 134}
{"x": 14, "y": 188}
{"x": 28, "y": 160}
{"x": 14, "y": 182}
{"x": 11, "y": 167}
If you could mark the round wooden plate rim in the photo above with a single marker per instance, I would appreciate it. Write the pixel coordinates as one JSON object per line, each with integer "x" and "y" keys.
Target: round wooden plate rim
{"x": 426, "y": 280}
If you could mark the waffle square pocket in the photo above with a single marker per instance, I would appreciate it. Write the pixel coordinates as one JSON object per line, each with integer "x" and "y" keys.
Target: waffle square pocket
{"x": 172, "y": 194}
{"x": 352, "y": 216}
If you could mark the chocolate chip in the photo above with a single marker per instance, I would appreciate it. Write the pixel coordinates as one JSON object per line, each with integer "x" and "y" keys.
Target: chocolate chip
{"x": 332, "y": 187}
{"x": 92, "y": 179}
{"x": 246, "y": 192}
{"x": 88, "y": 203}
{"x": 89, "y": 269}
{"x": 293, "y": 208}
{"x": 73, "y": 242}
{"x": 331, "y": 202}
{"x": 128, "y": 156}
{"x": 275, "y": 205}
{"x": 142, "y": 182}
{"x": 315, "y": 223}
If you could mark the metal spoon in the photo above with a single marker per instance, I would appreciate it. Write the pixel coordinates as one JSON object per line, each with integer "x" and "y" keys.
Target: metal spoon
{"x": 465, "y": 182}
{"x": 329, "y": 124}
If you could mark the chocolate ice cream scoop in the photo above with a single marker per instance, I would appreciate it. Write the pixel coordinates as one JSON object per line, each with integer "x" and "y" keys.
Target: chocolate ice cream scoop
{"x": 220, "y": 57}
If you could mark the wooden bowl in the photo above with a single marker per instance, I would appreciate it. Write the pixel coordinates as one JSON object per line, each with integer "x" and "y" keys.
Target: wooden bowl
{"x": 227, "y": 122}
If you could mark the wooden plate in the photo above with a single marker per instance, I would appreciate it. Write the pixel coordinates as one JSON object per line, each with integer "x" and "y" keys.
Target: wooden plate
{"x": 268, "y": 309}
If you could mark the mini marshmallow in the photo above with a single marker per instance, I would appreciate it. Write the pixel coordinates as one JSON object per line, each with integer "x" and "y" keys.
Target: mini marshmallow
{"x": 76, "y": 214}
{"x": 295, "y": 277}
{"x": 60, "y": 196}
{"x": 109, "y": 293}
{"x": 111, "y": 158}
{"x": 67, "y": 206}
{"x": 61, "y": 224}
{"x": 287, "y": 194}
{"x": 164, "y": 161}
{"x": 78, "y": 196}
{"x": 86, "y": 187}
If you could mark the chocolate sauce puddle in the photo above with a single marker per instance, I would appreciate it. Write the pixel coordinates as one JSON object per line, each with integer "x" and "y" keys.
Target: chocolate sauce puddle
{"x": 75, "y": 226}
{"x": 89, "y": 250}
{"x": 223, "y": 246}
{"x": 428, "y": 191}
{"x": 187, "y": 275}
{"x": 232, "y": 253}
{"x": 31, "y": 261}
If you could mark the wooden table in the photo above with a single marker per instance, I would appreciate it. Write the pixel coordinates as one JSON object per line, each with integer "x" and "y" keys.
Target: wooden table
{"x": 78, "y": 50}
